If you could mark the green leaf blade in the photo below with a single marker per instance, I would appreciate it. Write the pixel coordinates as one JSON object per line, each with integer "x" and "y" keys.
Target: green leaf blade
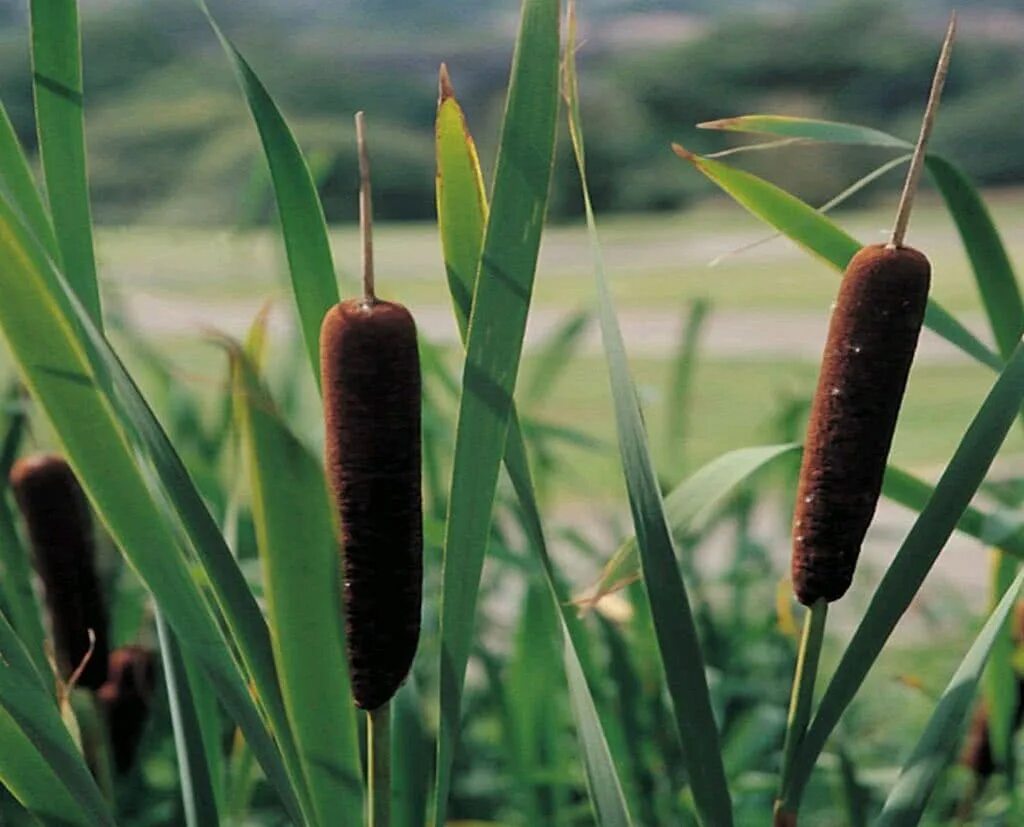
{"x": 913, "y": 561}
{"x": 299, "y": 555}
{"x": 494, "y": 347}
{"x": 57, "y": 85}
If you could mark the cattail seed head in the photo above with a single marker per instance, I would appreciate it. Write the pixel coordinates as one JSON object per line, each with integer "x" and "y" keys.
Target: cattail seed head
{"x": 126, "y": 698}
{"x": 371, "y": 384}
{"x": 870, "y": 346}
{"x": 60, "y": 532}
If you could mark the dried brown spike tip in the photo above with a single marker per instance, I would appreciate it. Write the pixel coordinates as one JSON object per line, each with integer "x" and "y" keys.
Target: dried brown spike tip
{"x": 371, "y": 383}
{"x": 870, "y": 346}
{"x": 126, "y": 698}
{"x": 60, "y": 532}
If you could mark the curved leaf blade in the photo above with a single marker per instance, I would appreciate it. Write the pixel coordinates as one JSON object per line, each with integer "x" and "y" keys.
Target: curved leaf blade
{"x": 493, "y": 350}
{"x": 906, "y": 802}
{"x": 679, "y": 647}
{"x": 817, "y": 234}
{"x": 308, "y": 250}
{"x": 53, "y": 782}
{"x": 913, "y": 561}
{"x": 462, "y": 211}
{"x": 299, "y": 556}
{"x": 57, "y": 86}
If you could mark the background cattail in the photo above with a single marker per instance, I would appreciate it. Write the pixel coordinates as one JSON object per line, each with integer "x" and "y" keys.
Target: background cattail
{"x": 60, "y": 532}
{"x": 126, "y": 698}
{"x": 371, "y": 385}
{"x": 871, "y": 341}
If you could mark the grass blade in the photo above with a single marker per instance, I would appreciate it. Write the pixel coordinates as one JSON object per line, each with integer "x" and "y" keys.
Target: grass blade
{"x": 913, "y": 561}
{"x": 310, "y": 264}
{"x": 680, "y": 395}
{"x": 57, "y": 85}
{"x": 1000, "y": 292}
{"x": 72, "y": 373}
{"x": 807, "y": 129}
{"x": 678, "y": 644}
{"x": 990, "y": 528}
{"x": 689, "y": 504}
{"x": 462, "y": 213}
{"x": 16, "y": 178}
{"x": 40, "y": 762}
{"x": 816, "y": 233}
{"x": 197, "y": 786}
{"x": 412, "y": 752}
{"x": 905, "y": 804}
{"x": 553, "y": 357}
{"x": 493, "y": 349}
{"x": 299, "y": 555}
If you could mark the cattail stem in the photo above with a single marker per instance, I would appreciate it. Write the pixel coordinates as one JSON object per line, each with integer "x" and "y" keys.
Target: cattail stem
{"x": 899, "y": 229}
{"x": 378, "y": 759}
{"x": 801, "y": 698}
{"x": 365, "y": 210}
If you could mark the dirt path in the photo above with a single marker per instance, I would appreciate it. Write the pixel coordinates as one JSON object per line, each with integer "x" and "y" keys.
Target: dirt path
{"x": 755, "y": 334}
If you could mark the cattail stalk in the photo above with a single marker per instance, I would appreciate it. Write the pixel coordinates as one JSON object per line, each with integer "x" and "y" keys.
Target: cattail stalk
{"x": 871, "y": 341}
{"x": 372, "y": 391}
{"x": 872, "y": 337}
{"x": 60, "y": 532}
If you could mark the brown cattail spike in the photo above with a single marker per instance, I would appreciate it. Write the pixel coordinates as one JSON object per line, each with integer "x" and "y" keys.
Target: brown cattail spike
{"x": 60, "y": 531}
{"x": 371, "y": 383}
{"x": 871, "y": 341}
{"x": 126, "y": 698}
{"x": 370, "y": 371}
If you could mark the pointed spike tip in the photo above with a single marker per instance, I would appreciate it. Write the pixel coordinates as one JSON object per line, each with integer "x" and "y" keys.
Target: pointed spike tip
{"x": 683, "y": 152}
{"x": 444, "y": 85}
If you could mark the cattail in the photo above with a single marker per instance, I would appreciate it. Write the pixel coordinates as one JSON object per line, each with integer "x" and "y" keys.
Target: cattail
{"x": 126, "y": 698}
{"x": 370, "y": 372}
{"x": 60, "y": 532}
{"x": 871, "y": 341}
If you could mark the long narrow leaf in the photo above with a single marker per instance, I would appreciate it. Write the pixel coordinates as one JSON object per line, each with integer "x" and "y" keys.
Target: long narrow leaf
{"x": 70, "y": 376}
{"x": 16, "y": 178}
{"x": 57, "y": 84}
{"x": 818, "y": 234}
{"x": 493, "y": 350}
{"x": 462, "y": 216}
{"x": 198, "y": 795}
{"x": 314, "y": 284}
{"x": 993, "y": 272}
{"x": 299, "y": 555}
{"x": 678, "y": 645}
{"x": 689, "y": 503}
{"x": 30, "y": 722}
{"x": 905, "y": 804}
{"x": 913, "y": 561}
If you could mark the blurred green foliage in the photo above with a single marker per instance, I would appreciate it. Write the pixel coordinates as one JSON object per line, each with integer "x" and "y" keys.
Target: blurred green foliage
{"x": 170, "y": 142}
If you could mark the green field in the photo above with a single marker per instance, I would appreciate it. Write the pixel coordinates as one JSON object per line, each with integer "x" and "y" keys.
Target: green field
{"x": 657, "y": 264}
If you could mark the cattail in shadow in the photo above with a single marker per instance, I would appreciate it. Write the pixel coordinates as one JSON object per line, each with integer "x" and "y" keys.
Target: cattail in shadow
{"x": 126, "y": 698}
{"x": 370, "y": 371}
{"x": 60, "y": 532}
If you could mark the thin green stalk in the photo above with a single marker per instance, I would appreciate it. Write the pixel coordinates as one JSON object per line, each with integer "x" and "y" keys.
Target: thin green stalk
{"x": 378, "y": 759}
{"x": 803, "y": 693}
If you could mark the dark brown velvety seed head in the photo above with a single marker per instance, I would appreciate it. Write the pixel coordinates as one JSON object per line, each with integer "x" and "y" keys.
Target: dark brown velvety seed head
{"x": 60, "y": 532}
{"x": 371, "y": 384}
{"x": 126, "y": 698}
{"x": 870, "y": 346}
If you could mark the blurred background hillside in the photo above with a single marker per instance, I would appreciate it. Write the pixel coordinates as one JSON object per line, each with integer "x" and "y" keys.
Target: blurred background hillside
{"x": 170, "y": 141}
